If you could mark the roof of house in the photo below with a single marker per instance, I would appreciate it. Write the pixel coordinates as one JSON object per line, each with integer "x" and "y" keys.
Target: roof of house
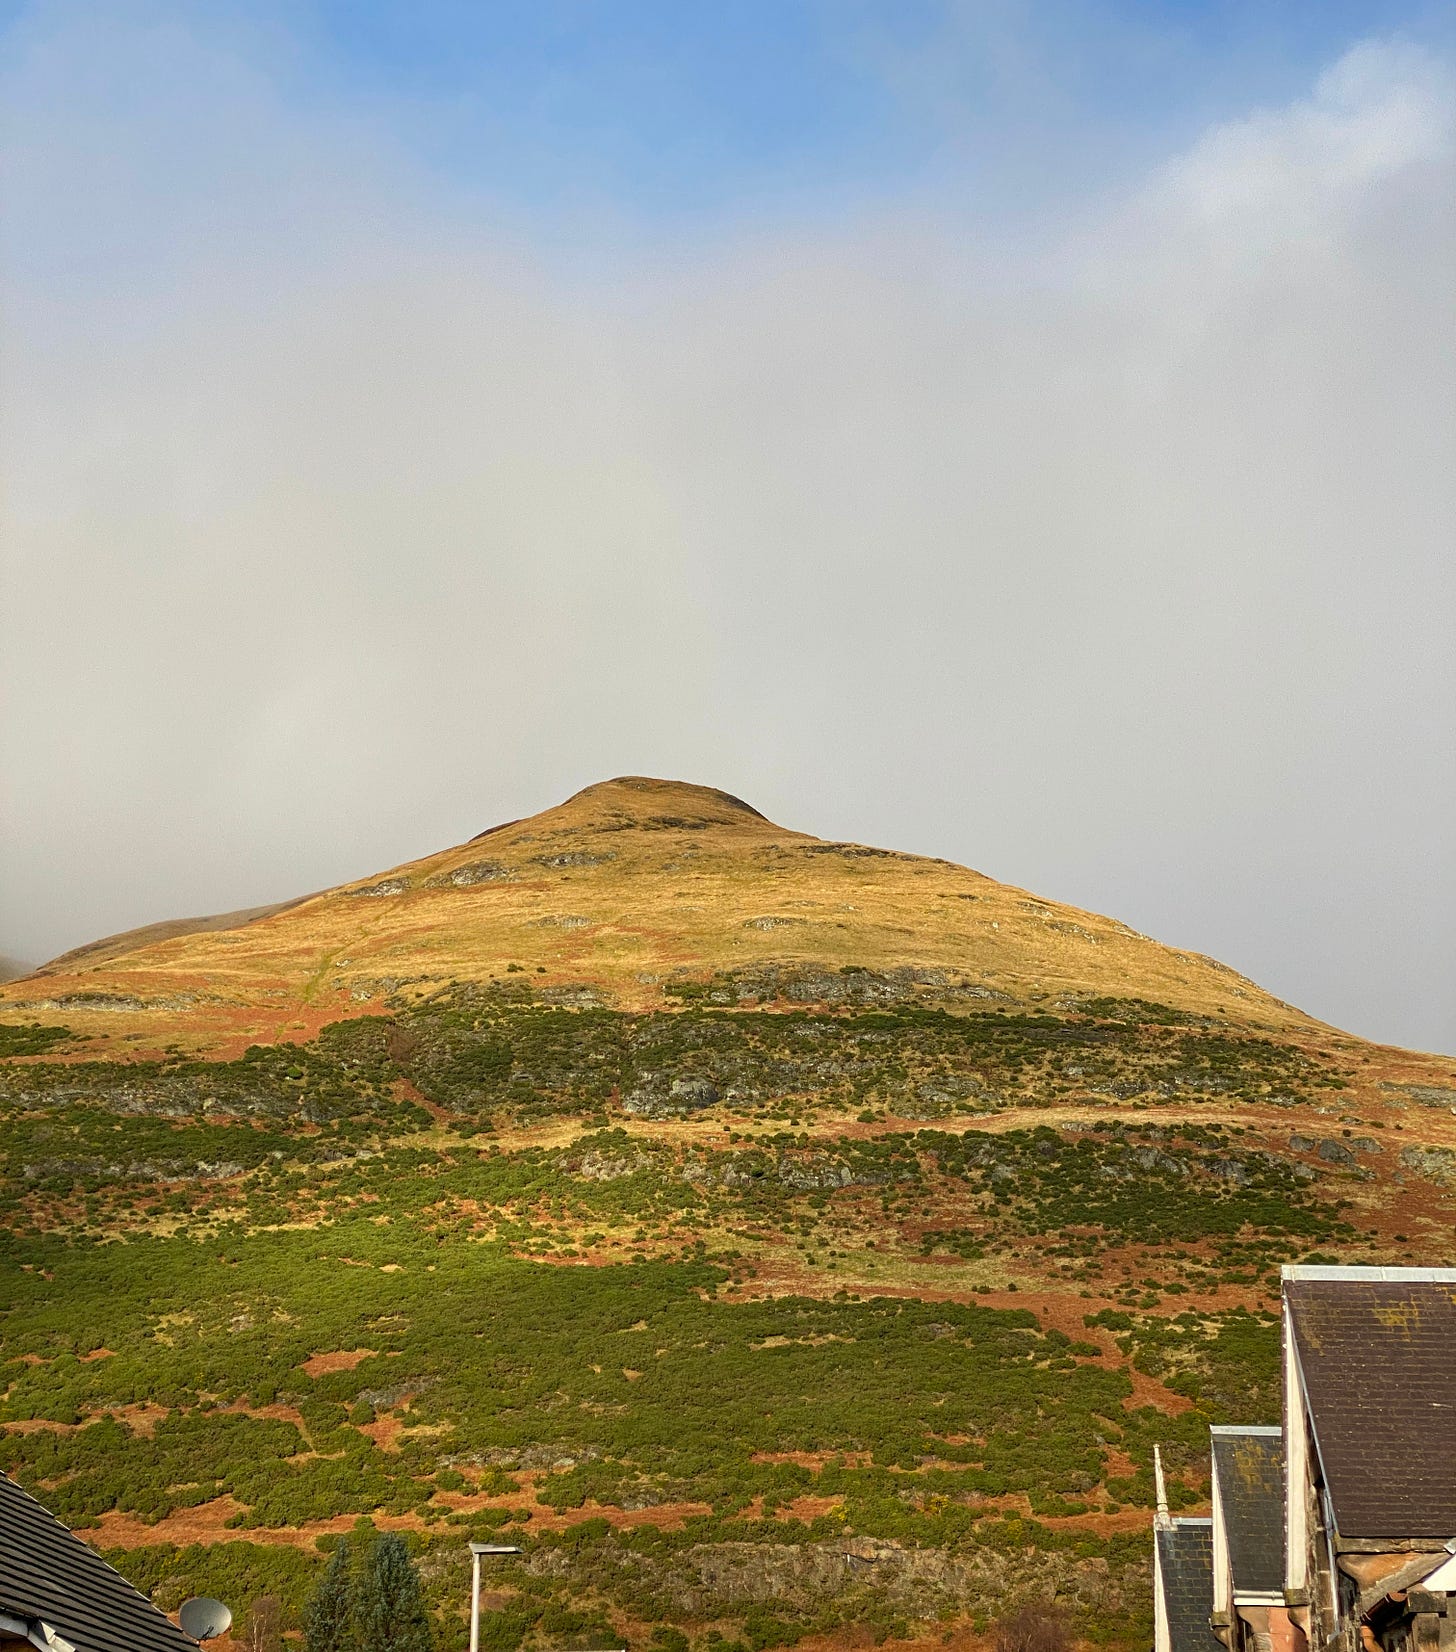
{"x": 1185, "y": 1565}
{"x": 1250, "y": 1469}
{"x": 1377, "y": 1354}
{"x": 47, "y": 1573}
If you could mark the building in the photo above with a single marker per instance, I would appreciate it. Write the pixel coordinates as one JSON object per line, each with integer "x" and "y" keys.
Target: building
{"x": 1248, "y": 1607}
{"x": 1370, "y": 1431}
{"x": 1182, "y": 1583}
{"x": 58, "y": 1595}
{"x": 1335, "y": 1532}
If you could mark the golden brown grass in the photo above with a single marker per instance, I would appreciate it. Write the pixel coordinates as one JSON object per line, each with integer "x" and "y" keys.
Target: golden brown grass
{"x": 621, "y": 887}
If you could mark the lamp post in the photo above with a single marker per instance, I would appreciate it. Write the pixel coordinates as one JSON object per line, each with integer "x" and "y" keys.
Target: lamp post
{"x": 476, "y": 1550}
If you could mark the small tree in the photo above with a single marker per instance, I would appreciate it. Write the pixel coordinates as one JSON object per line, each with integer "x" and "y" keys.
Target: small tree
{"x": 265, "y": 1625}
{"x": 1032, "y": 1628}
{"x": 391, "y": 1607}
{"x": 328, "y": 1620}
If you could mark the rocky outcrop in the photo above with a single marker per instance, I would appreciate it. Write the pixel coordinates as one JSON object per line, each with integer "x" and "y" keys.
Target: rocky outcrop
{"x": 385, "y": 886}
{"x": 1436, "y": 1164}
{"x": 662, "y": 1097}
{"x": 467, "y": 876}
{"x": 129, "y": 1170}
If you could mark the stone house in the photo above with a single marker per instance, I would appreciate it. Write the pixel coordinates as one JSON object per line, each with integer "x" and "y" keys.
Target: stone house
{"x": 1370, "y": 1433}
{"x": 1335, "y": 1532}
{"x": 1249, "y": 1613}
{"x": 58, "y": 1595}
{"x": 1182, "y": 1579}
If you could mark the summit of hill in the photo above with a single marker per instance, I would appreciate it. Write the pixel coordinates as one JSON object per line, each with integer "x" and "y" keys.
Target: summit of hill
{"x": 626, "y": 891}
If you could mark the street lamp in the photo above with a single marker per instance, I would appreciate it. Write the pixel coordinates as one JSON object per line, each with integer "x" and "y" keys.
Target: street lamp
{"x": 476, "y": 1550}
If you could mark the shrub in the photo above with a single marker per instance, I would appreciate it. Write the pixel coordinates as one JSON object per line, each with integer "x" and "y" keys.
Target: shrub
{"x": 1032, "y": 1628}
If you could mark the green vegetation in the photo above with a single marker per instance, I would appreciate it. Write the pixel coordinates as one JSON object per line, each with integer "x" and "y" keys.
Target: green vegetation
{"x": 497, "y": 1359}
{"x": 1146, "y": 1184}
{"x": 31, "y": 1038}
{"x": 179, "y": 1239}
{"x": 1228, "y": 1363}
{"x": 485, "y": 1053}
{"x": 927, "y": 1417}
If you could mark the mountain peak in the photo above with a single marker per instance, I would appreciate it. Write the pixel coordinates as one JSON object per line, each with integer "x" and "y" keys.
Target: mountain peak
{"x": 616, "y": 896}
{"x": 641, "y": 801}
{"x": 640, "y": 796}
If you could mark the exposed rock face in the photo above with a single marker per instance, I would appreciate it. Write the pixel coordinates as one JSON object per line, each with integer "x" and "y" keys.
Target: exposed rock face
{"x": 805, "y": 984}
{"x": 718, "y": 1577}
{"x": 597, "y": 1165}
{"x": 1436, "y": 1164}
{"x": 1424, "y": 1095}
{"x": 152, "y": 1170}
{"x": 659, "y": 1098}
{"x": 808, "y": 1171}
{"x": 385, "y": 886}
{"x": 472, "y": 873}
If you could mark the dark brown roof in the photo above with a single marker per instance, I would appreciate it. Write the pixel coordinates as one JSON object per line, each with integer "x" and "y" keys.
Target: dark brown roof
{"x": 1250, "y": 1464}
{"x": 47, "y": 1573}
{"x": 1378, "y": 1357}
{"x": 1185, "y": 1565}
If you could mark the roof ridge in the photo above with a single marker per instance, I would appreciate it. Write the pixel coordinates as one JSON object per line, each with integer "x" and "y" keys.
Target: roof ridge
{"x": 1369, "y": 1275}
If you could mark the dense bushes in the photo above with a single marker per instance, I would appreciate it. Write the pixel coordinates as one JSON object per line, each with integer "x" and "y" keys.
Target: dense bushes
{"x": 178, "y": 1238}
{"x": 30, "y": 1038}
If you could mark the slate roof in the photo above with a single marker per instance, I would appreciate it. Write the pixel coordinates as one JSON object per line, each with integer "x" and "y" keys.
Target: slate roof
{"x": 1378, "y": 1356}
{"x": 1250, "y": 1464}
{"x": 47, "y": 1573}
{"x": 1185, "y": 1564}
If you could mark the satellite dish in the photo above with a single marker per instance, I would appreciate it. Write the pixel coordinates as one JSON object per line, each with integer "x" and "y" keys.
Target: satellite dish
{"x": 202, "y": 1618}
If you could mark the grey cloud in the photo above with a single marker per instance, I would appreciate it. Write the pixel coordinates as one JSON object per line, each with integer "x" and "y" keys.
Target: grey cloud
{"x": 342, "y": 521}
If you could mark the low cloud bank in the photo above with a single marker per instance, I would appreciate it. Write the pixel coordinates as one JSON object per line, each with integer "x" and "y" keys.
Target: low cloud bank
{"x": 1111, "y": 556}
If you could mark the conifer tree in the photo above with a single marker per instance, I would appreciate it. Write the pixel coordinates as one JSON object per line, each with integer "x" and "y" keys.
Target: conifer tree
{"x": 328, "y": 1620}
{"x": 391, "y": 1614}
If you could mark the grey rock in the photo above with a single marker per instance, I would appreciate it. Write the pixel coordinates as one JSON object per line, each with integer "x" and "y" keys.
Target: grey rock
{"x": 1436, "y": 1164}
{"x": 466, "y": 877}
{"x": 1229, "y": 1170}
{"x": 385, "y": 886}
{"x": 597, "y": 1166}
{"x": 685, "y": 1094}
{"x": 1425, "y": 1095}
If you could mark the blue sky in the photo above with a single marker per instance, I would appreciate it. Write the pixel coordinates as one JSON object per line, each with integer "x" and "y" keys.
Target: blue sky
{"x": 688, "y": 108}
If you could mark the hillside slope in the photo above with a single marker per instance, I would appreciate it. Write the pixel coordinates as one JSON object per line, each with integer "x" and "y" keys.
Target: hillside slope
{"x": 628, "y": 887}
{"x": 782, "y": 1241}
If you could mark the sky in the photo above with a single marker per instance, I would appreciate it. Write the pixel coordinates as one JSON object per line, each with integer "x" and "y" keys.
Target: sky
{"x": 1015, "y": 432}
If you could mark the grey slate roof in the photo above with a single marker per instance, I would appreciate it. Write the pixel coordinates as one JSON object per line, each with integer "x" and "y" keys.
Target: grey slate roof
{"x": 1378, "y": 1357}
{"x": 1185, "y": 1563}
{"x": 1250, "y": 1464}
{"x": 47, "y": 1573}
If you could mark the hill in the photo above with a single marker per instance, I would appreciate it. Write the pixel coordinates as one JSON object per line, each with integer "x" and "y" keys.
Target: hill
{"x": 628, "y": 888}
{"x": 784, "y": 1241}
